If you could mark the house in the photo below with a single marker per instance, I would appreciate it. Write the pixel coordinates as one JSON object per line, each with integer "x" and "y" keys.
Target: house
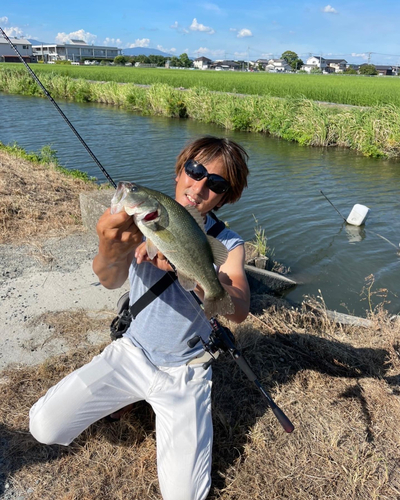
{"x": 314, "y": 62}
{"x": 335, "y": 65}
{"x": 386, "y": 70}
{"x": 202, "y": 62}
{"x": 260, "y": 63}
{"x": 77, "y": 50}
{"x": 24, "y": 47}
{"x": 278, "y": 66}
{"x": 225, "y": 66}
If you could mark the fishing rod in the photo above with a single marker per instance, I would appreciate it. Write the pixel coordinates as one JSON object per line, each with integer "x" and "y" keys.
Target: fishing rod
{"x": 47, "y": 94}
{"x": 333, "y": 206}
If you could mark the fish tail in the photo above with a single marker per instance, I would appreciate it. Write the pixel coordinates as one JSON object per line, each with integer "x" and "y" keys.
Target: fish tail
{"x": 218, "y": 305}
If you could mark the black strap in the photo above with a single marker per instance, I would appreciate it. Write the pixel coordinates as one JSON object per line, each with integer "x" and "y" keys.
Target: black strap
{"x": 152, "y": 293}
{"x": 216, "y": 228}
{"x": 162, "y": 284}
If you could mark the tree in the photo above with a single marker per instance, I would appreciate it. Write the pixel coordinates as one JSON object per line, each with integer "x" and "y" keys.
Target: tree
{"x": 368, "y": 69}
{"x": 121, "y": 59}
{"x": 185, "y": 61}
{"x": 292, "y": 59}
{"x": 350, "y": 71}
{"x": 175, "y": 62}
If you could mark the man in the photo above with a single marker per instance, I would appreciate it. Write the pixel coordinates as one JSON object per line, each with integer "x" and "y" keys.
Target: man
{"x": 152, "y": 361}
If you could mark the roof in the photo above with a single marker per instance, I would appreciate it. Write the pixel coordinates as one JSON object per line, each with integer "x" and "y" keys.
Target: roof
{"x": 16, "y": 41}
{"x": 202, "y": 58}
{"x": 335, "y": 61}
{"x": 81, "y": 42}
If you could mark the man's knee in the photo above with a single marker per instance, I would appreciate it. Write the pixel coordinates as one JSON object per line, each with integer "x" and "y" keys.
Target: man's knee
{"x": 43, "y": 430}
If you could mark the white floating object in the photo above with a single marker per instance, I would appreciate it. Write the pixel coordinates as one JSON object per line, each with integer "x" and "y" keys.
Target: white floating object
{"x": 358, "y": 215}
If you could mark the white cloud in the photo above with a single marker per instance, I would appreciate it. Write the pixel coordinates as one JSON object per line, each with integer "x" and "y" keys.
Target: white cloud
{"x": 267, "y": 55}
{"x": 76, "y": 35}
{"x": 178, "y": 28}
{"x": 232, "y": 29}
{"x": 144, "y": 42}
{"x": 4, "y": 20}
{"x": 204, "y": 51}
{"x": 240, "y": 54}
{"x": 112, "y": 41}
{"x": 14, "y": 31}
{"x": 195, "y": 26}
{"x": 244, "y": 33}
{"x": 363, "y": 56}
{"x": 330, "y": 10}
{"x": 163, "y": 49}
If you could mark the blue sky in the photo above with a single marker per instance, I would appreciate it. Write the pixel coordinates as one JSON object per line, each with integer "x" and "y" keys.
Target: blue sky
{"x": 223, "y": 29}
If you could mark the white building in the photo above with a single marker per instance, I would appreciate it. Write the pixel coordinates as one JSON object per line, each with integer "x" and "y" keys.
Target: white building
{"x": 278, "y": 66}
{"x": 202, "y": 62}
{"x": 7, "y": 53}
{"x": 315, "y": 62}
{"x": 336, "y": 65}
{"x": 76, "y": 51}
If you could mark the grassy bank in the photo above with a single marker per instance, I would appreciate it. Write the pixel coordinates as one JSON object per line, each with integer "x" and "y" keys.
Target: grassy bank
{"x": 374, "y": 131}
{"x": 339, "y": 386}
{"x": 39, "y": 198}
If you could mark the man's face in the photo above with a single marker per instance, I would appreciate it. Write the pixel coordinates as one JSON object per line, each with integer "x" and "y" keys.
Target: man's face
{"x": 196, "y": 193}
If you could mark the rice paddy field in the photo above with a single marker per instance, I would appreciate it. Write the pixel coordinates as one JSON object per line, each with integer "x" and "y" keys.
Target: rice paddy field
{"x": 344, "y": 89}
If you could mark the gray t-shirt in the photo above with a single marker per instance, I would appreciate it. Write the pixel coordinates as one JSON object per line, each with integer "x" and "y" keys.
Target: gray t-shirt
{"x": 163, "y": 328}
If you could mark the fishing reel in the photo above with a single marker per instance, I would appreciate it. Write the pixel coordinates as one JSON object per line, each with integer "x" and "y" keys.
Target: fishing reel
{"x": 221, "y": 339}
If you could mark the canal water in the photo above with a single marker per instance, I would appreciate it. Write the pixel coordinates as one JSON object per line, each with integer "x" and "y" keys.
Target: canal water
{"x": 326, "y": 256}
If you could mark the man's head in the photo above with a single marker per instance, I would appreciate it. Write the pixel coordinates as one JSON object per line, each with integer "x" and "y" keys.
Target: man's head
{"x": 228, "y": 155}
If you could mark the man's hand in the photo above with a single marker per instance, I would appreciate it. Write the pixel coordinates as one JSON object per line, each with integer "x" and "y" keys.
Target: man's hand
{"x": 160, "y": 261}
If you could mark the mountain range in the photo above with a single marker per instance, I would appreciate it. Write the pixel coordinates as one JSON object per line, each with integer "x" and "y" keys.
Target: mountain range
{"x": 144, "y": 51}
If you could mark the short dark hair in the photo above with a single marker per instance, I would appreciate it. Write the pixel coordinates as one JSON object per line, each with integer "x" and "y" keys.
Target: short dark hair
{"x": 234, "y": 158}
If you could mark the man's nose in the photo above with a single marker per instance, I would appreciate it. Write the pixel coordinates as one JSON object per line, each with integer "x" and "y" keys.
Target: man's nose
{"x": 199, "y": 186}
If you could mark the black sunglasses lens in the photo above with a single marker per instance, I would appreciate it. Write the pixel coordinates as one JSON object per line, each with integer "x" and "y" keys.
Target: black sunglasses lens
{"x": 215, "y": 182}
{"x": 219, "y": 186}
{"x": 195, "y": 170}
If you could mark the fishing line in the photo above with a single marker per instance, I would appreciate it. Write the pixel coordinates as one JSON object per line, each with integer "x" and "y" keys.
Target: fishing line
{"x": 47, "y": 94}
{"x": 333, "y": 206}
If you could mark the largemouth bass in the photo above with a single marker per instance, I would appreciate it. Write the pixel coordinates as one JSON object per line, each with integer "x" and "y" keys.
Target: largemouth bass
{"x": 178, "y": 233}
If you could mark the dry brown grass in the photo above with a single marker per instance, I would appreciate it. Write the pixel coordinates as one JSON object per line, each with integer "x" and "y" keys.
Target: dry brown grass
{"x": 36, "y": 200}
{"x": 338, "y": 385}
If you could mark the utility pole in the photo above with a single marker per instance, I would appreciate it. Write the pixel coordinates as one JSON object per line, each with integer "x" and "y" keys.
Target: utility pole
{"x": 369, "y": 57}
{"x": 248, "y": 58}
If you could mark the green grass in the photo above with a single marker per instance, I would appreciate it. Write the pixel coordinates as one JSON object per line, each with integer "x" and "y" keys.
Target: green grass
{"x": 46, "y": 156}
{"x": 344, "y": 89}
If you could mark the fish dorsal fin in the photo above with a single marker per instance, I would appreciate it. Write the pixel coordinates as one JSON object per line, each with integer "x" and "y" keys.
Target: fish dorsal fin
{"x": 151, "y": 249}
{"x": 219, "y": 251}
{"x": 196, "y": 216}
{"x": 188, "y": 284}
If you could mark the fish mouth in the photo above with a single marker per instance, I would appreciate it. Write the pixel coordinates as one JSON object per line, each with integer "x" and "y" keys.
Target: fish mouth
{"x": 147, "y": 217}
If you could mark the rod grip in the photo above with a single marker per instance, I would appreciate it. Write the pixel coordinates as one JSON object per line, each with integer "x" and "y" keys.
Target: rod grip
{"x": 283, "y": 420}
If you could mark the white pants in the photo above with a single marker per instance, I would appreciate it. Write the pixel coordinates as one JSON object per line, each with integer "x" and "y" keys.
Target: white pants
{"x": 120, "y": 375}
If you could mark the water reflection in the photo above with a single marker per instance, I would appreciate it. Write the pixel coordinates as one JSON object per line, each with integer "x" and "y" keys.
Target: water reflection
{"x": 355, "y": 234}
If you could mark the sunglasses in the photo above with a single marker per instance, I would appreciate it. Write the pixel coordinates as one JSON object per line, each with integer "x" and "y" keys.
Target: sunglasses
{"x": 215, "y": 182}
